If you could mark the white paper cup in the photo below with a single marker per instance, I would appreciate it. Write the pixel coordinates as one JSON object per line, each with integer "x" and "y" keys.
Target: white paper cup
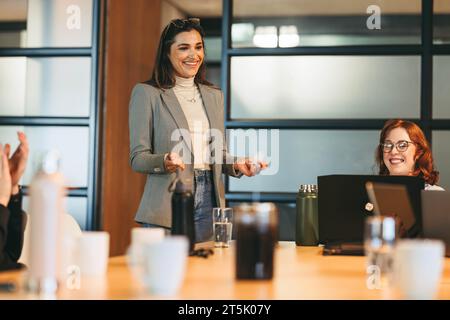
{"x": 92, "y": 253}
{"x": 165, "y": 264}
{"x": 146, "y": 235}
{"x": 418, "y": 267}
{"x": 140, "y": 237}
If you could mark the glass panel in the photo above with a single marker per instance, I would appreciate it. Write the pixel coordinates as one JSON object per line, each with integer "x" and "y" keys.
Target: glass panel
{"x": 58, "y": 86}
{"x": 441, "y": 154}
{"x": 298, "y": 156}
{"x": 53, "y": 86}
{"x": 441, "y": 21}
{"x": 75, "y": 206}
{"x": 213, "y": 48}
{"x": 441, "y": 87}
{"x": 325, "y": 87}
{"x": 46, "y": 23}
{"x": 294, "y": 23}
{"x": 72, "y": 143}
{"x": 287, "y": 220}
{"x": 12, "y": 86}
{"x": 213, "y": 74}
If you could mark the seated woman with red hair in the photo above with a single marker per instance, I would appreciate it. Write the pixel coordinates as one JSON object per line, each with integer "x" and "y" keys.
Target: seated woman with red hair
{"x": 404, "y": 151}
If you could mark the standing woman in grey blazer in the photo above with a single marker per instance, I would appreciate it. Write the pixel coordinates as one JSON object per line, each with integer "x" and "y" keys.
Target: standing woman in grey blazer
{"x": 175, "y": 119}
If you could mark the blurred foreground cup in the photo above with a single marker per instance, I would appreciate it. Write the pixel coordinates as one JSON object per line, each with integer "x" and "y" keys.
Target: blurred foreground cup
{"x": 379, "y": 245}
{"x": 165, "y": 264}
{"x": 140, "y": 237}
{"x": 418, "y": 267}
{"x": 92, "y": 253}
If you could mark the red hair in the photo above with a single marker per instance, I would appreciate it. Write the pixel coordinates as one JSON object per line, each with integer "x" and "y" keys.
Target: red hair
{"x": 424, "y": 166}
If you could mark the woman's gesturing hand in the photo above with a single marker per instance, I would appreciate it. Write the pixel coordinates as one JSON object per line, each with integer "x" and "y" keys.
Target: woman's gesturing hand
{"x": 249, "y": 167}
{"x": 173, "y": 161}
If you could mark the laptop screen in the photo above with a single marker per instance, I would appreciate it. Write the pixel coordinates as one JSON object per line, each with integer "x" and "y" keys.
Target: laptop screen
{"x": 393, "y": 200}
{"x": 344, "y": 204}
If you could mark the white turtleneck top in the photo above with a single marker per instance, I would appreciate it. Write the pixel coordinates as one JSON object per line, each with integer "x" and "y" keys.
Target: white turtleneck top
{"x": 191, "y": 103}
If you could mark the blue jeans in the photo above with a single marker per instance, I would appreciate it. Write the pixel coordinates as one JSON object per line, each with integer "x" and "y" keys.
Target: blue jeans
{"x": 204, "y": 202}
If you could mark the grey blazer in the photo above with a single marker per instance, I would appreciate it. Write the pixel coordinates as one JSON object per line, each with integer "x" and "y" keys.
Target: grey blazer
{"x": 153, "y": 115}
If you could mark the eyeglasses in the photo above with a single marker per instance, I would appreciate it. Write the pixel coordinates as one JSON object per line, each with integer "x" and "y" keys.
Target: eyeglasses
{"x": 401, "y": 146}
{"x": 181, "y": 23}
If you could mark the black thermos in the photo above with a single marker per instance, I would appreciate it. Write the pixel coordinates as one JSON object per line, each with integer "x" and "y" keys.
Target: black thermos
{"x": 183, "y": 211}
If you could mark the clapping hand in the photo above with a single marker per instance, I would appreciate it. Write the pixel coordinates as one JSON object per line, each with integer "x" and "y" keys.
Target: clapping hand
{"x": 5, "y": 178}
{"x": 18, "y": 161}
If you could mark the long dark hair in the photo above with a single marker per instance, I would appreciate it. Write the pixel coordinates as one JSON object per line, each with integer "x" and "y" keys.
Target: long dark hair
{"x": 424, "y": 166}
{"x": 163, "y": 74}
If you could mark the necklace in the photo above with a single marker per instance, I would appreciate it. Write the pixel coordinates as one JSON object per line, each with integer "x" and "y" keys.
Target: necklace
{"x": 191, "y": 100}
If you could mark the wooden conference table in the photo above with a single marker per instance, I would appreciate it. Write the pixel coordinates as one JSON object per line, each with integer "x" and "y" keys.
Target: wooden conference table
{"x": 300, "y": 273}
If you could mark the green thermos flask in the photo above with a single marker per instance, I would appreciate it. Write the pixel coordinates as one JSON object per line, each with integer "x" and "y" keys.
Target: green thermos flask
{"x": 306, "y": 231}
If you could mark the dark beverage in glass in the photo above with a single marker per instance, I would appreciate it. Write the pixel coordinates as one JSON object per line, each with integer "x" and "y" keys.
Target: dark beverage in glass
{"x": 255, "y": 240}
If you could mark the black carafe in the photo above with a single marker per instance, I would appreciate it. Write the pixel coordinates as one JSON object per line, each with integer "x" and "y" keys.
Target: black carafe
{"x": 307, "y": 224}
{"x": 183, "y": 210}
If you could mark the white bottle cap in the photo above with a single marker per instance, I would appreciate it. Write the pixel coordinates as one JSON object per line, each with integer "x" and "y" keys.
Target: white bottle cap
{"x": 50, "y": 162}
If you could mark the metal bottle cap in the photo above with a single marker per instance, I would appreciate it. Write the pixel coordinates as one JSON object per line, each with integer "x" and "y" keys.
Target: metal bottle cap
{"x": 308, "y": 188}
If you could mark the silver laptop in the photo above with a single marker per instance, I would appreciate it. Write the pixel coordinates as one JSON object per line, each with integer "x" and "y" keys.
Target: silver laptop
{"x": 436, "y": 216}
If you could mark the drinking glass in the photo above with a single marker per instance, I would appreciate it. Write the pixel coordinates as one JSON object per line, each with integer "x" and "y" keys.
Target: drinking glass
{"x": 222, "y": 225}
{"x": 256, "y": 238}
{"x": 379, "y": 241}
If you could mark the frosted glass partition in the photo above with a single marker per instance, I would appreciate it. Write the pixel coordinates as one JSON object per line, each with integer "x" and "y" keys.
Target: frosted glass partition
{"x": 59, "y": 23}
{"x": 213, "y": 75}
{"x": 12, "y": 86}
{"x": 441, "y": 153}
{"x": 296, "y": 23}
{"x": 441, "y": 87}
{"x": 45, "y": 87}
{"x": 308, "y": 87}
{"x": 58, "y": 86}
{"x": 286, "y": 220}
{"x": 299, "y": 156}
{"x": 75, "y": 206}
{"x": 46, "y": 23}
{"x": 213, "y": 48}
{"x": 71, "y": 142}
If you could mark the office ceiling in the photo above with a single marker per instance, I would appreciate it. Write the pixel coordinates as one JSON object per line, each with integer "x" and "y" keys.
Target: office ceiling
{"x": 16, "y": 10}
{"x": 255, "y": 8}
